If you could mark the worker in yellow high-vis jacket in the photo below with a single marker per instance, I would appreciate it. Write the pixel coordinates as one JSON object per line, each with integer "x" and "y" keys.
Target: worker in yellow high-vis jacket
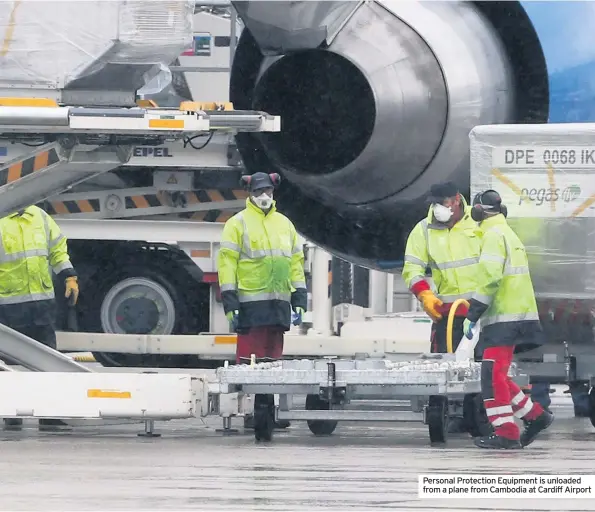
{"x": 32, "y": 246}
{"x": 261, "y": 277}
{"x": 505, "y": 302}
{"x": 447, "y": 241}
{"x": 261, "y": 273}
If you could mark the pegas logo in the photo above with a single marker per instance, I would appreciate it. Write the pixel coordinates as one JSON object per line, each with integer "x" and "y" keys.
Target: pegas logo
{"x": 547, "y": 195}
{"x": 571, "y": 193}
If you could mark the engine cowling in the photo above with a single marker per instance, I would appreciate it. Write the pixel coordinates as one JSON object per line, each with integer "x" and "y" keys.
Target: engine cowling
{"x": 377, "y": 100}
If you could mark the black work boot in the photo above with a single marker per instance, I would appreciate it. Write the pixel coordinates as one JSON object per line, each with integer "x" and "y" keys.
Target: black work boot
{"x": 534, "y": 427}
{"x": 495, "y": 442}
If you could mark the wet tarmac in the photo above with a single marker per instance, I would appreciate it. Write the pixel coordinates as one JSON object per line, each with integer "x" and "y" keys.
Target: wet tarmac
{"x": 192, "y": 467}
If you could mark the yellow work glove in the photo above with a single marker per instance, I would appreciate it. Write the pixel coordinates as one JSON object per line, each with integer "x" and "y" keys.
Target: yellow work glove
{"x": 72, "y": 290}
{"x": 430, "y": 302}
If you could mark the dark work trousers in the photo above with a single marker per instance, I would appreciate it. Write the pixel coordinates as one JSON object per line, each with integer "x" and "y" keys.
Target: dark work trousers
{"x": 45, "y": 334}
{"x": 439, "y": 330}
{"x": 265, "y": 342}
{"x": 35, "y": 319}
{"x": 540, "y": 393}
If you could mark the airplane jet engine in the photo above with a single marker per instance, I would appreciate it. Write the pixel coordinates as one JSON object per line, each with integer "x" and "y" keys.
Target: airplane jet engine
{"x": 377, "y": 100}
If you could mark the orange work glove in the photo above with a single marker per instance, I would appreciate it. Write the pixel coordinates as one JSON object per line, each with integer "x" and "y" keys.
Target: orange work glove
{"x": 430, "y": 303}
{"x": 72, "y": 290}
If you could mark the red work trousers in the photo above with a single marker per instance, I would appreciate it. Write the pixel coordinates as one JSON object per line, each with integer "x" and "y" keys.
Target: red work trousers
{"x": 502, "y": 398}
{"x": 264, "y": 342}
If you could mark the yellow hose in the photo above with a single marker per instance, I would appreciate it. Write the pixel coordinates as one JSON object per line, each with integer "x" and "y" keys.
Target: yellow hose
{"x": 83, "y": 358}
{"x": 451, "y": 319}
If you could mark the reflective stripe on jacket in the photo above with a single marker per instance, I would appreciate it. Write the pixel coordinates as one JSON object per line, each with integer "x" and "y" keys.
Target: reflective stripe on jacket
{"x": 452, "y": 255}
{"x": 31, "y": 243}
{"x": 505, "y": 289}
{"x": 261, "y": 267}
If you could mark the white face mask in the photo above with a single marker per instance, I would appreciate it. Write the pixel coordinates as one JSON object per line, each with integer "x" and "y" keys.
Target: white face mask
{"x": 263, "y": 201}
{"x": 442, "y": 213}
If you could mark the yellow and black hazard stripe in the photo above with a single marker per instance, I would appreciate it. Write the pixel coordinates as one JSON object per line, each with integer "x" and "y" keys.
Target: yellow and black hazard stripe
{"x": 66, "y": 207}
{"x": 211, "y": 215}
{"x": 213, "y": 196}
{"x": 143, "y": 201}
{"x": 140, "y": 201}
{"x": 38, "y": 162}
{"x": 196, "y": 197}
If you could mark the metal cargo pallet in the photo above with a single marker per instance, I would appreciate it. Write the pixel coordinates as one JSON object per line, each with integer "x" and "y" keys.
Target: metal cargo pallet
{"x": 436, "y": 385}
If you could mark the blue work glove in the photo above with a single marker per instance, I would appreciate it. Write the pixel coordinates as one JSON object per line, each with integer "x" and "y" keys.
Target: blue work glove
{"x": 468, "y": 327}
{"x": 298, "y": 316}
{"x": 232, "y": 318}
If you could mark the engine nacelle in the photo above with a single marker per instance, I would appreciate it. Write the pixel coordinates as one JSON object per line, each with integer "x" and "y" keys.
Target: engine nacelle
{"x": 377, "y": 100}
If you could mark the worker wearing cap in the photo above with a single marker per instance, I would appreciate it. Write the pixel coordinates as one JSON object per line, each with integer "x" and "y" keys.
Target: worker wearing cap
{"x": 31, "y": 244}
{"x": 261, "y": 273}
{"x": 446, "y": 241}
{"x": 505, "y": 302}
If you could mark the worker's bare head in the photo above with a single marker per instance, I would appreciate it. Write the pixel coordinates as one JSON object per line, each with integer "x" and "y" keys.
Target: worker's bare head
{"x": 261, "y": 187}
{"x": 447, "y": 202}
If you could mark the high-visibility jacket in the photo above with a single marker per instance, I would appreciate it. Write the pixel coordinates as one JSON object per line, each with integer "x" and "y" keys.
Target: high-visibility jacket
{"x": 32, "y": 246}
{"x": 451, "y": 254}
{"x": 261, "y": 268}
{"x": 505, "y": 292}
